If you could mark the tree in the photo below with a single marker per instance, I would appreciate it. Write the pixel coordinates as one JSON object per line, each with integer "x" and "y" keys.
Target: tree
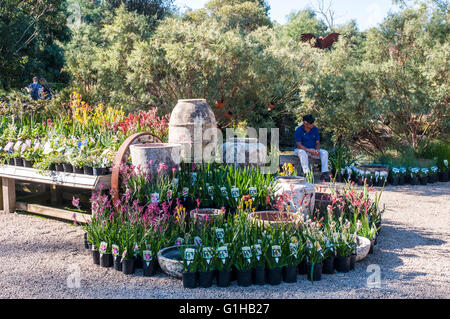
{"x": 303, "y": 21}
{"x": 30, "y": 32}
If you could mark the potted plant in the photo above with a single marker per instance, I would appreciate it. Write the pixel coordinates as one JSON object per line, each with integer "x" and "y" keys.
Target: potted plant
{"x": 259, "y": 269}
{"x": 395, "y": 176}
{"x": 290, "y": 256}
{"x": 433, "y": 174}
{"x": 443, "y": 170}
{"x": 106, "y": 259}
{"x": 149, "y": 263}
{"x": 127, "y": 245}
{"x": 328, "y": 257}
{"x": 117, "y": 264}
{"x": 314, "y": 255}
{"x": 223, "y": 265}
{"x": 190, "y": 259}
{"x": 273, "y": 260}
{"x": 205, "y": 266}
{"x": 243, "y": 262}
{"x": 423, "y": 176}
{"x": 414, "y": 174}
{"x": 368, "y": 230}
{"x": 402, "y": 176}
{"x": 343, "y": 250}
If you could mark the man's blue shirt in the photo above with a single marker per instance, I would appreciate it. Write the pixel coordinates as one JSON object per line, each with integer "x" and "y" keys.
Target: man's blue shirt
{"x": 309, "y": 139}
{"x": 35, "y": 90}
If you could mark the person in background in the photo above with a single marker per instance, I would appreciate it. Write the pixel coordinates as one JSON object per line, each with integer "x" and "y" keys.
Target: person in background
{"x": 307, "y": 143}
{"x": 34, "y": 88}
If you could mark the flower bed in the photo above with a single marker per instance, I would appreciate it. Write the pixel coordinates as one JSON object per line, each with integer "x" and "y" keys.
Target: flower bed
{"x": 150, "y": 215}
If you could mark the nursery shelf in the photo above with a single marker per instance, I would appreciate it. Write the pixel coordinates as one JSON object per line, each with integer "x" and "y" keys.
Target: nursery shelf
{"x": 9, "y": 174}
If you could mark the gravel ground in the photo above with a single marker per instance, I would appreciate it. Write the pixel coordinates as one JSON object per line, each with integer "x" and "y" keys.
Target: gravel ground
{"x": 38, "y": 255}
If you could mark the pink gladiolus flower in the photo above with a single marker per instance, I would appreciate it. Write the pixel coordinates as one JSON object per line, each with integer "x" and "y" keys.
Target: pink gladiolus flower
{"x": 76, "y": 202}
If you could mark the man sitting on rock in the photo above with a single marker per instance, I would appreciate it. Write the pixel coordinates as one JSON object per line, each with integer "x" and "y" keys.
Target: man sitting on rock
{"x": 307, "y": 143}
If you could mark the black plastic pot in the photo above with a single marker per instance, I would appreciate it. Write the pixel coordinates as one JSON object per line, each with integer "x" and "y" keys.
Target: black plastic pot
{"x": 78, "y": 170}
{"x": 88, "y": 171}
{"x": 106, "y": 260}
{"x": 190, "y": 279}
{"x": 423, "y": 180}
{"x": 52, "y": 167}
{"x": 68, "y": 168}
{"x": 149, "y": 267}
{"x": 259, "y": 275}
{"x": 352, "y": 261}
{"x": 97, "y": 171}
{"x": 205, "y": 278}
{"x": 59, "y": 167}
{"x": 138, "y": 262}
{"x": 290, "y": 274}
{"x": 244, "y": 277}
{"x": 302, "y": 267}
{"x": 342, "y": 264}
{"x": 395, "y": 180}
{"x": 233, "y": 273}
{"x": 401, "y": 180}
{"x": 95, "y": 256}
{"x": 414, "y": 180}
{"x": 274, "y": 276}
{"x": 328, "y": 265}
{"x": 223, "y": 278}
{"x": 27, "y": 163}
{"x": 316, "y": 272}
{"x": 18, "y": 161}
{"x": 86, "y": 241}
{"x": 117, "y": 264}
{"x": 11, "y": 161}
{"x": 128, "y": 266}
{"x": 432, "y": 178}
{"x": 443, "y": 177}
{"x": 372, "y": 243}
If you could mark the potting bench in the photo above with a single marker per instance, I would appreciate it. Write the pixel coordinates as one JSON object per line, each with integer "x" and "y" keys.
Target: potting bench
{"x": 9, "y": 174}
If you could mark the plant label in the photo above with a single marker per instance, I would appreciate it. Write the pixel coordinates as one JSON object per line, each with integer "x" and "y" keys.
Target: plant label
{"x": 258, "y": 251}
{"x": 247, "y": 253}
{"x": 293, "y": 248}
{"x": 147, "y": 255}
{"x": 103, "y": 247}
{"x": 223, "y": 253}
{"x": 155, "y": 197}
{"x": 235, "y": 193}
{"x": 185, "y": 191}
{"x": 194, "y": 177}
{"x": 189, "y": 255}
{"x": 179, "y": 241}
{"x": 115, "y": 251}
{"x": 207, "y": 254}
{"x": 169, "y": 194}
{"x": 197, "y": 241}
{"x": 124, "y": 254}
{"x": 220, "y": 233}
{"x": 224, "y": 191}
{"x": 276, "y": 252}
{"x": 136, "y": 248}
{"x": 253, "y": 191}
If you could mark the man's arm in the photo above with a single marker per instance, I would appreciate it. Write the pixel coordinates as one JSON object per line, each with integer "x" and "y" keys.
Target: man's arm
{"x": 307, "y": 150}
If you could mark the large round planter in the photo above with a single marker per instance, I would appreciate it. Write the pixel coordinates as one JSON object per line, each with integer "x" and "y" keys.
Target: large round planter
{"x": 259, "y": 275}
{"x": 290, "y": 274}
{"x": 106, "y": 260}
{"x": 189, "y": 279}
{"x": 274, "y": 276}
{"x": 191, "y": 122}
{"x": 300, "y": 193}
{"x": 363, "y": 248}
{"x": 128, "y": 266}
{"x": 148, "y": 157}
{"x": 223, "y": 278}
{"x": 328, "y": 265}
{"x": 316, "y": 272}
{"x": 273, "y": 218}
{"x": 244, "y": 277}
{"x": 149, "y": 267}
{"x": 206, "y": 214}
{"x": 169, "y": 260}
{"x": 342, "y": 263}
{"x": 205, "y": 278}
{"x": 95, "y": 256}
{"x": 243, "y": 152}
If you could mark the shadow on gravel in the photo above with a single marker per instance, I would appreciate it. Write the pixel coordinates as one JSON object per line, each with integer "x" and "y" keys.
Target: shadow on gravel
{"x": 392, "y": 241}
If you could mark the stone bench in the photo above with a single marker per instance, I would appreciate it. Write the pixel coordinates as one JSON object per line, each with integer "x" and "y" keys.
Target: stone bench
{"x": 295, "y": 160}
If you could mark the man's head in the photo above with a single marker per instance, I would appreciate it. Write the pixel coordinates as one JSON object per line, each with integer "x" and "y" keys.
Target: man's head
{"x": 35, "y": 79}
{"x": 308, "y": 122}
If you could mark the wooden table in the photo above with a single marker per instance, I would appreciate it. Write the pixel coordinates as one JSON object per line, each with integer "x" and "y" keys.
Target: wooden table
{"x": 9, "y": 174}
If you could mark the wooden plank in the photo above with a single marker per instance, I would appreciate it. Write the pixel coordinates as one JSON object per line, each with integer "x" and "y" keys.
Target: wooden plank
{"x": 9, "y": 195}
{"x": 53, "y": 212}
{"x": 1, "y": 197}
{"x": 55, "y": 178}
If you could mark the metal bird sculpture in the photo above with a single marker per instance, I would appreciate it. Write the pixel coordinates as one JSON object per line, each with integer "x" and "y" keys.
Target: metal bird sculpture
{"x": 321, "y": 42}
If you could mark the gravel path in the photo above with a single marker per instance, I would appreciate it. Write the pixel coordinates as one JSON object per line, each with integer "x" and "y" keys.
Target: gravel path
{"x": 38, "y": 255}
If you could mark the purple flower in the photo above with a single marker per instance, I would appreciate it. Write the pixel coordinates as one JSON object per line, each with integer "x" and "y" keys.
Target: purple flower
{"x": 76, "y": 202}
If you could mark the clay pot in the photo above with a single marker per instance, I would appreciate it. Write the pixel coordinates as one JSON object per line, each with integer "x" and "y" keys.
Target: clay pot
{"x": 220, "y": 104}
{"x": 158, "y": 153}
{"x": 273, "y": 217}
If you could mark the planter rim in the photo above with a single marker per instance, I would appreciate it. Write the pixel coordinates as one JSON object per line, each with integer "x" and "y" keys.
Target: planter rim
{"x": 155, "y": 145}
